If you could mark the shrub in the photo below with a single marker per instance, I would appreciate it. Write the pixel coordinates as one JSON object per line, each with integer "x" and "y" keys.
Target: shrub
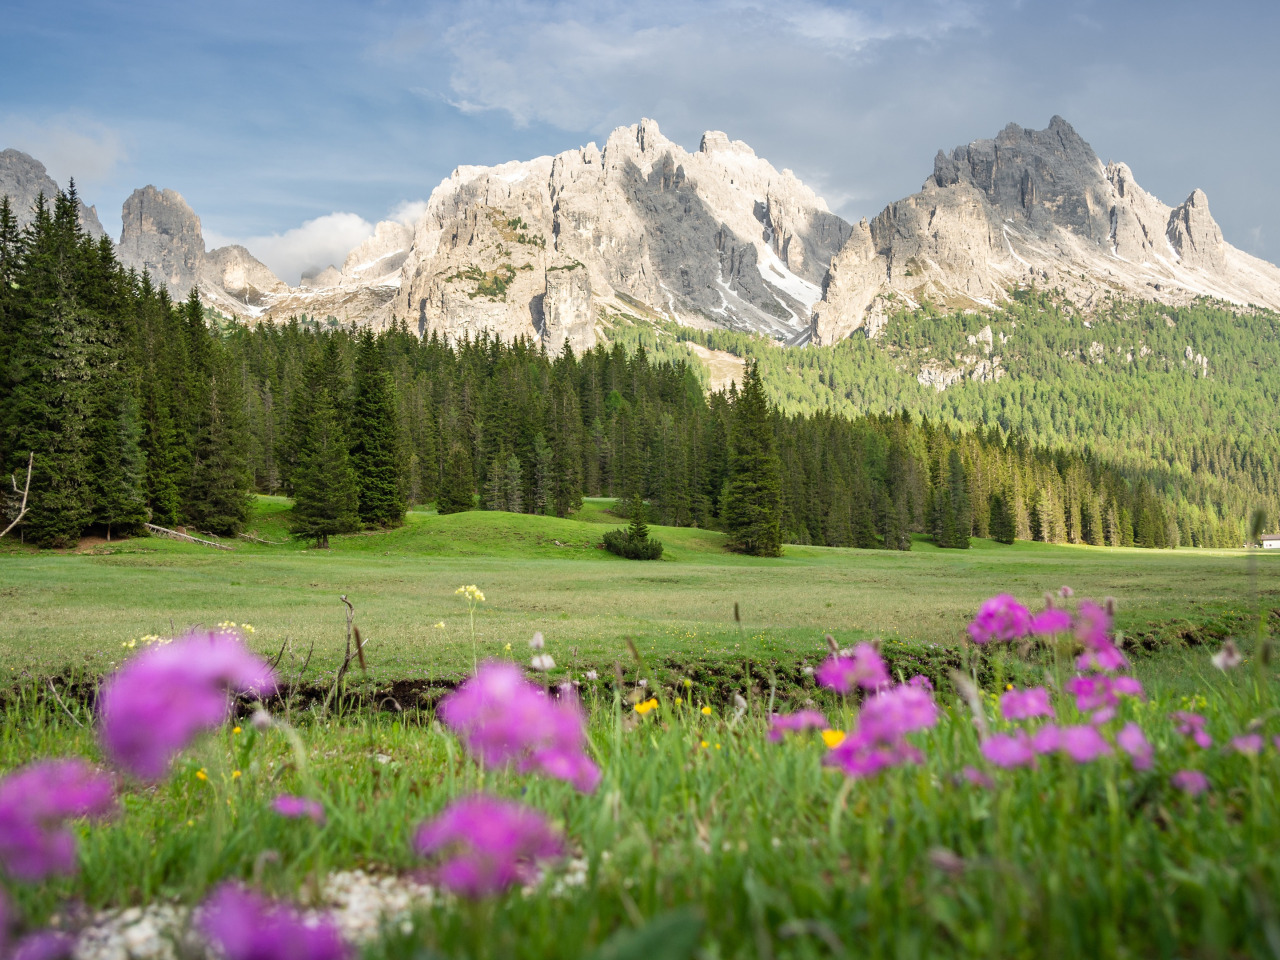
{"x": 619, "y": 542}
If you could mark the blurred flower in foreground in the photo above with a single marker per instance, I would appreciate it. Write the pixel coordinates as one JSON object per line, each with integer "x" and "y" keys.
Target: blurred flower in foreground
{"x": 1092, "y": 629}
{"x": 1190, "y": 781}
{"x": 502, "y": 718}
{"x": 1133, "y": 741}
{"x": 1228, "y": 658}
{"x": 1025, "y": 704}
{"x": 155, "y": 704}
{"x": 1192, "y": 725}
{"x": 864, "y": 668}
{"x": 1000, "y": 620}
{"x": 1009, "y": 750}
{"x": 784, "y": 723}
{"x": 248, "y": 927}
{"x": 645, "y": 706}
{"x": 35, "y": 803}
{"x": 487, "y": 844}
{"x": 295, "y": 808}
{"x": 1050, "y": 622}
{"x": 879, "y": 738}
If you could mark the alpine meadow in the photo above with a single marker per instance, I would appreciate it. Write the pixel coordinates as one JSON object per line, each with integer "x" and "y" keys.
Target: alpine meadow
{"x": 624, "y": 553}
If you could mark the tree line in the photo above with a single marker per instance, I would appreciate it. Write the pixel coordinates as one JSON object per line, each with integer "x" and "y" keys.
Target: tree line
{"x": 137, "y": 408}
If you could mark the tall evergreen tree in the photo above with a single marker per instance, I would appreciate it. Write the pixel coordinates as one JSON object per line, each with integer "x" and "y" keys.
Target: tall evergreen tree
{"x": 325, "y": 494}
{"x": 458, "y": 485}
{"x": 376, "y": 454}
{"x": 218, "y": 497}
{"x": 752, "y": 511}
{"x": 1001, "y": 525}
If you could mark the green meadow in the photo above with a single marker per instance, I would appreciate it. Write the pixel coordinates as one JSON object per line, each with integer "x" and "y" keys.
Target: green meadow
{"x": 74, "y": 610}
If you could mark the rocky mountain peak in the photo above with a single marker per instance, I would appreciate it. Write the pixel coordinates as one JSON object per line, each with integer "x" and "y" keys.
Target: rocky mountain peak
{"x": 23, "y": 178}
{"x": 160, "y": 234}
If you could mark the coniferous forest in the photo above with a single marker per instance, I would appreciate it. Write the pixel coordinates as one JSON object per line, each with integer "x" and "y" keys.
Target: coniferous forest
{"x": 135, "y": 408}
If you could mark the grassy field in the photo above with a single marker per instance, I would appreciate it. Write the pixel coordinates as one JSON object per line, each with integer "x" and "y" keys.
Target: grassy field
{"x": 74, "y": 610}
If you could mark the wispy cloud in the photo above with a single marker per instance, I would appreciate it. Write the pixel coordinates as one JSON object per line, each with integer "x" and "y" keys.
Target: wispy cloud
{"x": 312, "y": 246}
{"x": 68, "y": 145}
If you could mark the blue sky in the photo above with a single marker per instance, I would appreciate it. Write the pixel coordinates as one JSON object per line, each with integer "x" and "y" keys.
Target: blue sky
{"x": 294, "y": 126}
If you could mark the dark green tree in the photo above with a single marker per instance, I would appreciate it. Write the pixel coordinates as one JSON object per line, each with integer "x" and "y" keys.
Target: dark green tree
{"x": 458, "y": 485}
{"x": 325, "y": 496}
{"x": 376, "y": 453}
{"x": 1002, "y": 526}
{"x": 218, "y": 497}
{"x": 752, "y": 509}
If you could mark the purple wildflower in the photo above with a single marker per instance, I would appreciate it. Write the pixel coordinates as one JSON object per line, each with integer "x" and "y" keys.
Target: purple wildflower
{"x": 864, "y": 668}
{"x": 1101, "y": 694}
{"x": 1192, "y": 725}
{"x": 879, "y": 740}
{"x": 43, "y": 945}
{"x": 977, "y": 777}
{"x": 1047, "y": 739}
{"x": 155, "y": 704}
{"x": 1250, "y": 743}
{"x": 488, "y": 844}
{"x": 1190, "y": 781}
{"x": 1051, "y": 621}
{"x": 1092, "y": 627}
{"x": 1000, "y": 619}
{"x": 1083, "y": 743}
{"x": 35, "y": 803}
{"x": 891, "y": 714}
{"x": 1009, "y": 750}
{"x": 502, "y": 718}
{"x": 248, "y": 927}
{"x": 920, "y": 680}
{"x": 1025, "y": 704}
{"x": 295, "y": 808}
{"x": 1134, "y": 742}
{"x": 784, "y": 723}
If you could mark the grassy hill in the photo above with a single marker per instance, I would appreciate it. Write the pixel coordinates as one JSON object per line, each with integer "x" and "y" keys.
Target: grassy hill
{"x": 75, "y": 609}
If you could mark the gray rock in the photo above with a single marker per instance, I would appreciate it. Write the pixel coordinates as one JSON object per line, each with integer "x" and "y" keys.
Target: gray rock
{"x": 23, "y": 178}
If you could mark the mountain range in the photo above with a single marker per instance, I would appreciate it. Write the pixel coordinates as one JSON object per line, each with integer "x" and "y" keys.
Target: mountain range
{"x": 716, "y": 239}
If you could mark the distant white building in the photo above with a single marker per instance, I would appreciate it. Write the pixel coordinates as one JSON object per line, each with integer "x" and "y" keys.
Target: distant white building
{"x": 1270, "y": 541}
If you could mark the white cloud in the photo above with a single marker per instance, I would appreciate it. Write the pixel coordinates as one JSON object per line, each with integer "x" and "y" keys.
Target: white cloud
{"x": 313, "y": 246}
{"x": 68, "y": 145}
{"x": 409, "y": 212}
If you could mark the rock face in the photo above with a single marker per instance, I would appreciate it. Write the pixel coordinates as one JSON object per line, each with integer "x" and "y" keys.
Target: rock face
{"x": 23, "y": 178}
{"x": 161, "y": 236}
{"x": 1033, "y": 206}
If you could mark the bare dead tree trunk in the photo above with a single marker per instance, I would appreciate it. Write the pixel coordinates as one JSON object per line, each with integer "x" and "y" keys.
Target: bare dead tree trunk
{"x": 22, "y": 511}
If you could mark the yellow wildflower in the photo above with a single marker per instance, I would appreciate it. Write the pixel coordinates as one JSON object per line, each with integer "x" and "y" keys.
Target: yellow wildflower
{"x": 705, "y": 744}
{"x": 235, "y": 729}
{"x": 440, "y": 625}
{"x": 201, "y": 775}
{"x": 678, "y": 701}
{"x": 235, "y": 774}
{"x": 833, "y": 738}
{"x": 706, "y": 711}
{"x": 647, "y": 706}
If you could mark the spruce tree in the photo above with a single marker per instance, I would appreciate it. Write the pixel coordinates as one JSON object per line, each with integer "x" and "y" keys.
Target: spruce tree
{"x": 119, "y": 465}
{"x": 376, "y": 454}
{"x": 752, "y": 511}
{"x": 1002, "y": 527}
{"x": 638, "y": 528}
{"x": 325, "y": 495}
{"x": 218, "y": 497}
{"x": 458, "y": 485}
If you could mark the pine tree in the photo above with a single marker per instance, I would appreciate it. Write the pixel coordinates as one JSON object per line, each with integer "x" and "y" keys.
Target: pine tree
{"x": 458, "y": 486}
{"x": 376, "y": 454}
{"x": 325, "y": 493}
{"x": 218, "y": 498}
{"x": 119, "y": 465}
{"x": 752, "y": 511}
{"x": 638, "y": 528}
{"x": 958, "y": 498}
{"x": 1001, "y": 526}
{"x": 513, "y": 484}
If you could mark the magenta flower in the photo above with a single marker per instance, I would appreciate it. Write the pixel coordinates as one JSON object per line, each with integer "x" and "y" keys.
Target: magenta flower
{"x": 35, "y": 804}
{"x": 43, "y": 945}
{"x": 1047, "y": 739}
{"x": 1025, "y": 704}
{"x": 1192, "y": 725}
{"x": 864, "y": 668}
{"x": 1092, "y": 627}
{"x": 921, "y": 681}
{"x": 1133, "y": 741}
{"x": 1083, "y": 743}
{"x": 248, "y": 927}
{"x": 879, "y": 739}
{"x": 1250, "y": 743}
{"x": 781, "y": 724}
{"x": 1101, "y": 694}
{"x": 977, "y": 777}
{"x": 487, "y": 844}
{"x": 1009, "y": 750}
{"x": 157, "y": 703}
{"x": 502, "y": 718}
{"x": 891, "y": 714}
{"x": 295, "y": 808}
{"x": 1190, "y": 781}
{"x": 1000, "y": 620}
{"x": 1050, "y": 621}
